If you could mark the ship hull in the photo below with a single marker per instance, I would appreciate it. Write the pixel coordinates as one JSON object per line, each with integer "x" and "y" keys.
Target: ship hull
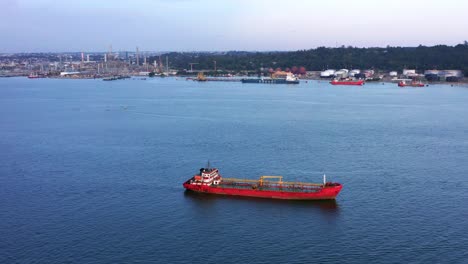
{"x": 361, "y": 82}
{"x": 274, "y": 81}
{"x": 325, "y": 193}
{"x": 411, "y": 85}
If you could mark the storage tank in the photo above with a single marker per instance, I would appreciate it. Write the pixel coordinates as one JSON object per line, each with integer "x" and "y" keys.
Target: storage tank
{"x": 343, "y": 73}
{"x": 354, "y": 72}
{"x": 448, "y": 73}
{"x": 369, "y": 73}
{"x": 433, "y": 72}
{"x": 409, "y": 72}
{"x": 452, "y": 79}
{"x": 360, "y": 76}
{"x": 432, "y": 77}
{"x": 327, "y": 73}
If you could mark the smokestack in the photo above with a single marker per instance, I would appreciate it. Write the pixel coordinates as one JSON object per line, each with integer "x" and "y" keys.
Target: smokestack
{"x": 137, "y": 56}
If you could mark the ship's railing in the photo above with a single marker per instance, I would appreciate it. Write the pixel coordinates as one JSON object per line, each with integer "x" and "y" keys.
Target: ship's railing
{"x": 238, "y": 180}
{"x": 263, "y": 182}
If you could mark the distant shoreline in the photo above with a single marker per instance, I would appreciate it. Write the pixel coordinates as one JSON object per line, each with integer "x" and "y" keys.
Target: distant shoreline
{"x": 463, "y": 82}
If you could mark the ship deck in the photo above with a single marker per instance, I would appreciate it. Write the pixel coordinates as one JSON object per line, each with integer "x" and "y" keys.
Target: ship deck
{"x": 269, "y": 185}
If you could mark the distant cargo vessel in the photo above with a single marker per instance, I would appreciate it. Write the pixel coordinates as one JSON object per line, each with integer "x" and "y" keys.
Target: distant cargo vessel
{"x": 277, "y": 78}
{"x": 35, "y": 75}
{"x": 347, "y": 82}
{"x": 270, "y": 80}
{"x": 210, "y": 181}
{"x": 411, "y": 84}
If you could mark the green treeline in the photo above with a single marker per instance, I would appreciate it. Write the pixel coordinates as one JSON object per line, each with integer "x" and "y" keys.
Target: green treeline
{"x": 386, "y": 59}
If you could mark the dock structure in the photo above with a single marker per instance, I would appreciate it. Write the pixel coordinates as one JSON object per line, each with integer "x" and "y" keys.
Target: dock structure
{"x": 227, "y": 79}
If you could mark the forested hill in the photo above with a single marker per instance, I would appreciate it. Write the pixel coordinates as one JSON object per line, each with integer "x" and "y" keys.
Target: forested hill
{"x": 389, "y": 58}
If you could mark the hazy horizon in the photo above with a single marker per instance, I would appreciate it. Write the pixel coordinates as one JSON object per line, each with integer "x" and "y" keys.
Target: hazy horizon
{"x": 208, "y": 26}
{"x": 213, "y": 51}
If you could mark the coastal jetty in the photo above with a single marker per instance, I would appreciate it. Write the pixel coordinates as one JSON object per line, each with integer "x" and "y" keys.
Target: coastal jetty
{"x": 114, "y": 78}
{"x": 202, "y": 78}
{"x": 215, "y": 79}
{"x": 222, "y": 79}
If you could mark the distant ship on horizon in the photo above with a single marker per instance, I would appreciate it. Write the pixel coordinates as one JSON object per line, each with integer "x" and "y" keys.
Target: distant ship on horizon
{"x": 276, "y": 78}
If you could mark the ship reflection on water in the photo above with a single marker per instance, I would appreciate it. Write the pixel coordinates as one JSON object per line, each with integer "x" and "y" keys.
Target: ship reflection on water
{"x": 206, "y": 200}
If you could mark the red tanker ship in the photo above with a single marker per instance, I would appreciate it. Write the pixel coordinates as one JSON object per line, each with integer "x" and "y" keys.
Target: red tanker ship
{"x": 347, "y": 82}
{"x": 412, "y": 84}
{"x": 210, "y": 181}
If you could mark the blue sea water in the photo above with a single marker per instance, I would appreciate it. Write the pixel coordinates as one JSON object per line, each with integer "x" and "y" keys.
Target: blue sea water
{"x": 92, "y": 172}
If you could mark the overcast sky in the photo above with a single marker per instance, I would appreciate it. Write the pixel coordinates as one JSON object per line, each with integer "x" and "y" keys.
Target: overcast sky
{"x": 204, "y": 25}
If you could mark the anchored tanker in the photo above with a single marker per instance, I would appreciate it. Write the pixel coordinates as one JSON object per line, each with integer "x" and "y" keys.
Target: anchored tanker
{"x": 210, "y": 181}
{"x": 347, "y": 82}
{"x": 277, "y": 78}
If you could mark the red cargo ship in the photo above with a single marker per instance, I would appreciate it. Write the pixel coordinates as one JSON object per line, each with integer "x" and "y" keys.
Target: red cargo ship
{"x": 349, "y": 82}
{"x": 412, "y": 84}
{"x": 210, "y": 181}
